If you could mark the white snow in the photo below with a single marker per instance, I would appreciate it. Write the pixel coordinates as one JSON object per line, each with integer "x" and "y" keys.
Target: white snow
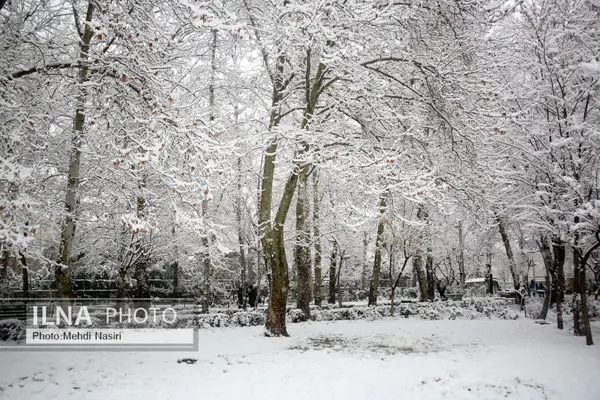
{"x": 475, "y": 280}
{"x": 384, "y": 359}
{"x": 592, "y": 67}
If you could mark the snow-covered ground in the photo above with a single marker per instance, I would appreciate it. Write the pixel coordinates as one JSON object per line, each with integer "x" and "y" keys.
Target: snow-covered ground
{"x": 383, "y": 359}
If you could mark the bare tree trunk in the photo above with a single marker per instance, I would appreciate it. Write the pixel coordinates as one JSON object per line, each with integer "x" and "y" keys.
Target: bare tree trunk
{"x": 393, "y": 282}
{"x": 67, "y": 233}
{"x": 421, "y": 276}
{"x": 582, "y": 293}
{"x": 275, "y": 250}
{"x": 548, "y": 258}
{"x": 576, "y": 299}
{"x": 25, "y": 273}
{"x": 175, "y": 271}
{"x": 302, "y": 247}
{"x": 547, "y": 297}
{"x": 558, "y": 248}
{"x": 430, "y": 276}
{"x": 364, "y": 278}
{"x": 338, "y": 284}
{"x": 272, "y": 244}
{"x": 488, "y": 273}
{"x": 374, "y": 288}
{"x": 279, "y": 287}
{"x": 332, "y": 273}
{"x": 312, "y": 89}
{"x": 4, "y": 270}
{"x": 584, "y": 307}
{"x": 396, "y": 281}
{"x": 122, "y": 287}
{"x": 461, "y": 257}
{"x": 509, "y": 252}
{"x": 205, "y": 240}
{"x": 317, "y": 240}
{"x": 272, "y": 234}
{"x": 393, "y": 301}
{"x": 206, "y": 263}
{"x": 238, "y": 214}
{"x": 338, "y": 280}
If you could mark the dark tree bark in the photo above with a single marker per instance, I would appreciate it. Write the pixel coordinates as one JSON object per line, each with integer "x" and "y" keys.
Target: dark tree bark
{"x": 302, "y": 247}
{"x": 240, "y": 232}
{"x": 4, "y": 270}
{"x": 509, "y": 252}
{"x": 548, "y": 258}
{"x": 25, "y": 272}
{"x": 576, "y": 299}
{"x": 397, "y": 280}
{"x": 332, "y": 273}
{"x": 338, "y": 285}
{"x": 279, "y": 287}
{"x": 421, "y": 277}
{"x": 558, "y": 248}
{"x": 489, "y": 279}
{"x": 364, "y": 277}
{"x": 462, "y": 276}
{"x": 175, "y": 272}
{"x": 582, "y": 291}
{"x": 554, "y": 259}
{"x": 547, "y": 297}
{"x": 317, "y": 240}
{"x": 374, "y": 288}
{"x": 430, "y": 276}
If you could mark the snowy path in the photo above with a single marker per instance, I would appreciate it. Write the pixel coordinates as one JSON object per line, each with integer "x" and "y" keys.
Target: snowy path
{"x": 389, "y": 359}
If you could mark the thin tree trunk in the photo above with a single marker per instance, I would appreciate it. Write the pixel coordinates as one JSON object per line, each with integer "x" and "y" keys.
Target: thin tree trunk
{"x": 67, "y": 234}
{"x": 332, "y": 273}
{"x": 548, "y": 258}
{"x": 317, "y": 240}
{"x": 374, "y": 288}
{"x": 4, "y": 268}
{"x": 558, "y": 248}
{"x": 397, "y": 281}
{"x": 546, "y": 306}
{"x": 421, "y": 276}
{"x": 365, "y": 266}
{"x": 509, "y": 253}
{"x": 392, "y": 281}
{"x": 25, "y": 272}
{"x": 393, "y": 301}
{"x": 488, "y": 273}
{"x": 238, "y": 214}
{"x": 175, "y": 271}
{"x": 302, "y": 247}
{"x": 461, "y": 257}
{"x": 206, "y": 264}
{"x": 576, "y": 299}
{"x": 338, "y": 284}
{"x": 583, "y": 294}
{"x": 430, "y": 276}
